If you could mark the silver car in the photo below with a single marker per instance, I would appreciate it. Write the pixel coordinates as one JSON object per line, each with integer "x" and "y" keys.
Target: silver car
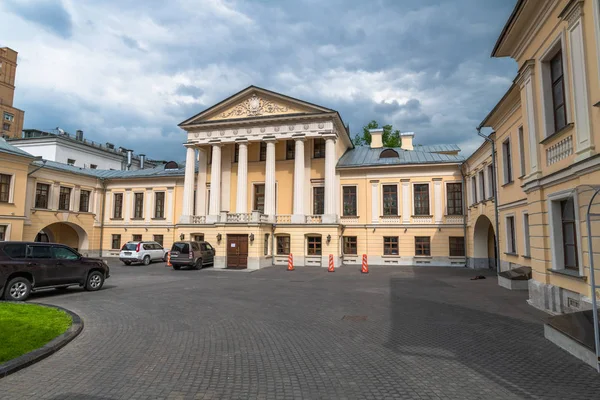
{"x": 142, "y": 252}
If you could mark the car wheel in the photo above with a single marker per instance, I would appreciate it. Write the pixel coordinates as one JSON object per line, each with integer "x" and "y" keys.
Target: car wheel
{"x": 198, "y": 264}
{"x": 18, "y": 289}
{"x": 127, "y": 262}
{"x": 176, "y": 267}
{"x": 146, "y": 260}
{"x": 95, "y": 281}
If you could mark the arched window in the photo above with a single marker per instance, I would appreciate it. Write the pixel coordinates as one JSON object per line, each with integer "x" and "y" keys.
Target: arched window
{"x": 171, "y": 165}
{"x": 389, "y": 153}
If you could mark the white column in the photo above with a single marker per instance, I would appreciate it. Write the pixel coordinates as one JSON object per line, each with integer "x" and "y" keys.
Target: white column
{"x": 298, "y": 211}
{"x": 270, "y": 179}
{"x": 438, "y": 208}
{"x": 241, "y": 199}
{"x": 54, "y": 195}
{"x": 525, "y": 81}
{"x": 215, "y": 184}
{"x": 148, "y": 202}
{"x": 201, "y": 183}
{"x": 75, "y": 197}
{"x": 127, "y": 205}
{"x": 375, "y": 202}
{"x": 406, "y": 201}
{"x": 169, "y": 206}
{"x": 188, "y": 186}
{"x": 330, "y": 161}
{"x": 109, "y": 212}
{"x": 581, "y": 110}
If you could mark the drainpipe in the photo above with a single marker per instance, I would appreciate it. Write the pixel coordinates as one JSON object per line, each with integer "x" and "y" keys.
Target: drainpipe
{"x": 495, "y": 187}
{"x": 273, "y": 245}
{"x": 465, "y": 210}
{"x": 103, "y": 212}
{"x": 40, "y": 167}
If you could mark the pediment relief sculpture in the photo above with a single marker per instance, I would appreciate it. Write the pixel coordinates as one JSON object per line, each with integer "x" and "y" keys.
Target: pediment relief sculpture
{"x": 256, "y": 106}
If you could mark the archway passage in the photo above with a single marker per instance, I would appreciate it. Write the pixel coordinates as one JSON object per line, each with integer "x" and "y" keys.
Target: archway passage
{"x": 65, "y": 233}
{"x": 484, "y": 244}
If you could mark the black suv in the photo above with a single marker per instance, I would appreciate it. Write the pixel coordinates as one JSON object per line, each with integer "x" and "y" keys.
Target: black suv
{"x": 28, "y": 266}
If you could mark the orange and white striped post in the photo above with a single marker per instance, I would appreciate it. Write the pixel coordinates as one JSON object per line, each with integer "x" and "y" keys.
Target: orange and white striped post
{"x": 290, "y": 262}
{"x": 331, "y": 267}
{"x": 365, "y": 265}
{"x": 169, "y": 259}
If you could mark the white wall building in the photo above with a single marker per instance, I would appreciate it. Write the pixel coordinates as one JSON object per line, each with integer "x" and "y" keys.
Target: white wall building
{"x": 77, "y": 151}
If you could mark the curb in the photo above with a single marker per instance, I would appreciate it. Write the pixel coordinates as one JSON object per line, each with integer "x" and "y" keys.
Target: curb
{"x": 48, "y": 349}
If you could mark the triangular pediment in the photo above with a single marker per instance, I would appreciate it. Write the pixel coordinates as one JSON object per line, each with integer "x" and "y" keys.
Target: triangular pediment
{"x": 254, "y": 102}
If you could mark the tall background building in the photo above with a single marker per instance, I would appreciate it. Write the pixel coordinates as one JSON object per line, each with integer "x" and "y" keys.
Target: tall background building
{"x": 12, "y": 118}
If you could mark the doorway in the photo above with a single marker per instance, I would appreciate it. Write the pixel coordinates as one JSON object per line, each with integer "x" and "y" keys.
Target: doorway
{"x": 237, "y": 251}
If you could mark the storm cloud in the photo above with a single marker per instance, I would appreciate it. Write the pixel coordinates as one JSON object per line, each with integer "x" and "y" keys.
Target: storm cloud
{"x": 129, "y": 71}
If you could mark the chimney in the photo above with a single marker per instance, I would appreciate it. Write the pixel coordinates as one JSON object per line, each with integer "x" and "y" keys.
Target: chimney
{"x": 376, "y": 138}
{"x": 407, "y": 140}
{"x": 129, "y": 159}
{"x": 79, "y": 135}
{"x": 142, "y": 160}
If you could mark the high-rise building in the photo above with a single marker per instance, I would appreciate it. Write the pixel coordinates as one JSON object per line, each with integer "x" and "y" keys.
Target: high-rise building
{"x": 12, "y": 118}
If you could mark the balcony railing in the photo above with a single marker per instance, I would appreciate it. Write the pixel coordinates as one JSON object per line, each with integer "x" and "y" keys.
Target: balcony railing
{"x": 198, "y": 219}
{"x": 349, "y": 220}
{"x": 314, "y": 219}
{"x": 455, "y": 219}
{"x": 284, "y": 219}
{"x": 239, "y": 217}
{"x": 389, "y": 219}
{"x": 559, "y": 151}
{"x": 422, "y": 219}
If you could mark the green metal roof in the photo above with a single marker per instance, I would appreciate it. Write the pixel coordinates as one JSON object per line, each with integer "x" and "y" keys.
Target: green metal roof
{"x": 365, "y": 156}
{"x": 6, "y": 147}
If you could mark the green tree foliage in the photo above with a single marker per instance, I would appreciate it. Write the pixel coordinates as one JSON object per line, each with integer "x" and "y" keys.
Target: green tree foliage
{"x": 391, "y": 137}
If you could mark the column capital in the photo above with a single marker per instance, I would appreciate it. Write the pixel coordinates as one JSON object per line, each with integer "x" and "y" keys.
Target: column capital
{"x": 241, "y": 141}
{"x": 216, "y": 143}
{"x": 330, "y": 136}
{"x": 190, "y": 145}
{"x": 572, "y": 12}
{"x": 269, "y": 139}
{"x": 299, "y": 137}
{"x": 526, "y": 71}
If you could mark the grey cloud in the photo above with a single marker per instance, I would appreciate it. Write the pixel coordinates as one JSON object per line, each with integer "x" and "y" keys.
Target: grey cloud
{"x": 190, "y": 90}
{"x": 50, "y": 14}
{"x": 131, "y": 43}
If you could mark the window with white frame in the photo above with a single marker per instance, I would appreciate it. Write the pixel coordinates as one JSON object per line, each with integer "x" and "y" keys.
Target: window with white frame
{"x": 526, "y": 242}
{"x": 565, "y": 236}
{"x": 522, "y": 151}
{"x": 511, "y": 245}
{"x": 9, "y": 117}
{"x": 3, "y": 232}
{"x": 390, "y": 199}
{"x": 554, "y": 87}
{"x": 507, "y": 161}
{"x": 482, "y": 185}
{"x": 5, "y": 184}
{"x": 491, "y": 180}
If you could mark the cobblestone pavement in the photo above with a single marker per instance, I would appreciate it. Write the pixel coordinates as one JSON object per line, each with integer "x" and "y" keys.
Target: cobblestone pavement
{"x": 422, "y": 333}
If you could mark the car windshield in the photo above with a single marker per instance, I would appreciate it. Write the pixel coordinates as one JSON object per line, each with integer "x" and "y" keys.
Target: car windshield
{"x": 129, "y": 246}
{"x": 181, "y": 247}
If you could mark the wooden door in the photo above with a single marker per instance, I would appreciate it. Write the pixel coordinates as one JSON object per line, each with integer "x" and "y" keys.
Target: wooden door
{"x": 237, "y": 251}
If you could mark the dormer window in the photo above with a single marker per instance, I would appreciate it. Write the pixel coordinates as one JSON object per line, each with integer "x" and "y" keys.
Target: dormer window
{"x": 171, "y": 165}
{"x": 389, "y": 153}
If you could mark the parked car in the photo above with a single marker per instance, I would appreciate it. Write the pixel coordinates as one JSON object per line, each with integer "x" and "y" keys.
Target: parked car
{"x": 142, "y": 252}
{"x": 192, "y": 254}
{"x": 29, "y": 266}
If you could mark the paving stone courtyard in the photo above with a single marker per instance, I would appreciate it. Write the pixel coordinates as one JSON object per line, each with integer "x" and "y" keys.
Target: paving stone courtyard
{"x": 398, "y": 332}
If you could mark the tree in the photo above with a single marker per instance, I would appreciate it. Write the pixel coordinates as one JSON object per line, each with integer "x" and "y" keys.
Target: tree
{"x": 391, "y": 137}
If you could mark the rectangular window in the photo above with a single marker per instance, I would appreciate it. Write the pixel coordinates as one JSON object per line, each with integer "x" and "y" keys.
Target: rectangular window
{"x": 511, "y": 245}
{"x": 84, "y": 201}
{"x": 421, "y": 199}
{"x": 507, "y": 158}
{"x": 522, "y": 151}
{"x": 290, "y": 149}
{"x": 283, "y": 245}
{"x": 390, "y": 199}
{"x": 6, "y": 126}
{"x": 318, "y": 200}
{"x": 349, "y": 197}
{"x": 569, "y": 232}
{"x": 390, "y": 246}
{"x": 558, "y": 92}
{"x": 492, "y": 185}
{"x": 41, "y": 195}
{"x": 64, "y": 198}
{"x": 5, "y": 188}
{"x": 319, "y": 148}
{"x": 118, "y": 206}
{"x": 482, "y": 185}
{"x": 70, "y": 161}
{"x": 136, "y": 238}
{"x": 3, "y": 230}
{"x": 457, "y": 246}
{"x": 236, "y": 153}
{"x": 263, "y": 151}
{"x": 259, "y": 198}
{"x": 9, "y": 117}
{"x": 159, "y": 205}
{"x": 422, "y": 246}
{"x": 158, "y": 239}
{"x": 527, "y": 249}
{"x": 266, "y": 244}
{"x": 454, "y": 198}
{"x": 116, "y": 242}
{"x": 350, "y": 245}
{"x": 313, "y": 245}
{"x": 93, "y": 166}
{"x": 474, "y": 189}
{"x": 138, "y": 212}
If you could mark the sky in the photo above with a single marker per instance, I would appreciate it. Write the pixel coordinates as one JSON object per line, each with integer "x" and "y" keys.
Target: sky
{"x": 128, "y": 71}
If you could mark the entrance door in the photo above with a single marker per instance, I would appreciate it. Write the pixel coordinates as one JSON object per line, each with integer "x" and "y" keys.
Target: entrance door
{"x": 237, "y": 251}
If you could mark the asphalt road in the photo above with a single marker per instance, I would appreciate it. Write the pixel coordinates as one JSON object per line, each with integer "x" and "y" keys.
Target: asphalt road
{"x": 398, "y": 332}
